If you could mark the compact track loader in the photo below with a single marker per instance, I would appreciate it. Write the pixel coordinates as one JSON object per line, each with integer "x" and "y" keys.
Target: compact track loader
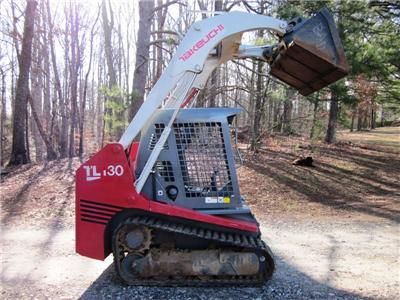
{"x": 169, "y": 207}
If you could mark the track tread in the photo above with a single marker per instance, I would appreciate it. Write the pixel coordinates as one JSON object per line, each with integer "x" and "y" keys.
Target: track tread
{"x": 235, "y": 240}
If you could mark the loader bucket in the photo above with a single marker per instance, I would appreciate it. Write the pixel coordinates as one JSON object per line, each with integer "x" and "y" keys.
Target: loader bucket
{"x": 312, "y": 56}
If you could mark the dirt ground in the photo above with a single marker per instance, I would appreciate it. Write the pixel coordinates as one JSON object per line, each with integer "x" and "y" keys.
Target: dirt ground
{"x": 333, "y": 228}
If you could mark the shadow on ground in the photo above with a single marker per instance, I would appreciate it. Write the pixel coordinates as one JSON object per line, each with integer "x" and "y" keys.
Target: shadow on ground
{"x": 343, "y": 178}
{"x": 38, "y": 192}
{"x": 287, "y": 283}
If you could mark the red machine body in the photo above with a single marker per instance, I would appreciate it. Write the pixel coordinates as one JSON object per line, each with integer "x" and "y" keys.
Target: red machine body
{"x": 105, "y": 190}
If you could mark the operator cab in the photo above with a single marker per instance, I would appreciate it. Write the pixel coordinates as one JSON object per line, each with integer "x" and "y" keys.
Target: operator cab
{"x": 196, "y": 167}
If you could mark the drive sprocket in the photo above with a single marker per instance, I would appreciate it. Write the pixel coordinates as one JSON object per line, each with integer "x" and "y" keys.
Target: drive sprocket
{"x": 135, "y": 238}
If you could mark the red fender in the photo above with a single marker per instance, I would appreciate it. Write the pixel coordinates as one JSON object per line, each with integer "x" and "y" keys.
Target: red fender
{"x": 105, "y": 187}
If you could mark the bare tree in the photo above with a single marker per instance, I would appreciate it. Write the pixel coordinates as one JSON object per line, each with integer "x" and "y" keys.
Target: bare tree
{"x": 19, "y": 154}
{"x": 83, "y": 102}
{"x": 3, "y": 115}
{"x": 259, "y": 97}
{"x": 146, "y": 8}
{"x": 64, "y": 101}
{"x": 161, "y": 17}
{"x": 74, "y": 72}
{"x": 215, "y": 75}
{"x": 287, "y": 111}
{"x": 57, "y": 86}
{"x": 51, "y": 154}
{"x": 44, "y": 49}
{"x": 108, "y": 26}
{"x": 36, "y": 89}
{"x": 330, "y": 136}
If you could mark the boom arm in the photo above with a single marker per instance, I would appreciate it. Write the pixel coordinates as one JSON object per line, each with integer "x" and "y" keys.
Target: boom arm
{"x": 309, "y": 57}
{"x": 192, "y": 56}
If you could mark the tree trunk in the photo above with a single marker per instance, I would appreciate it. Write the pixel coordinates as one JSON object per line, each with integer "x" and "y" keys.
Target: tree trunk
{"x": 13, "y": 88}
{"x": 36, "y": 91}
{"x": 57, "y": 84}
{"x": 359, "y": 119}
{"x": 373, "y": 118}
{"x": 83, "y": 104}
{"x": 146, "y": 8}
{"x": 51, "y": 154}
{"x": 46, "y": 67}
{"x": 365, "y": 121}
{"x": 64, "y": 101}
{"x": 287, "y": 112}
{"x": 276, "y": 117}
{"x": 19, "y": 154}
{"x": 353, "y": 116}
{"x": 27, "y": 135}
{"x": 161, "y": 17}
{"x": 215, "y": 75}
{"x": 108, "y": 26}
{"x": 3, "y": 115}
{"x": 333, "y": 112}
{"x": 315, "y": 116}
{"x": 201, "y": 100}
{"x": 257, "y": 109}
{"x": 75, "y": 62}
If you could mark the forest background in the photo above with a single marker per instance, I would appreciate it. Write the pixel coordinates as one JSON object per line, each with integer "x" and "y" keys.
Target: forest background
{"x": 74, "y": 73}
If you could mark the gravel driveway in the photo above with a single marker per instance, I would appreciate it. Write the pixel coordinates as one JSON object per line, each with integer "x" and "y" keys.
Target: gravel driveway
{"x": 316, "y": 259}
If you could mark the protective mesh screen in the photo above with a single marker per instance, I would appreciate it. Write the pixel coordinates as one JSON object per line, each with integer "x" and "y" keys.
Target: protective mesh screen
{"x": 164, "y": 169}
{"x": 203, "y": 159}
{"x": 158, "y": 129}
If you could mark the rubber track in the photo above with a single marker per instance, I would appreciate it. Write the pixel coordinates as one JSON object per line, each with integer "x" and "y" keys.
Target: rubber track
{"x": 235, "y": 240}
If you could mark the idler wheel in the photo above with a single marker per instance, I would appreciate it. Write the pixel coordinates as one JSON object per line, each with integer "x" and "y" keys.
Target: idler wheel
{"x": 136, "y": 238}
{"x": 128, "y": 266}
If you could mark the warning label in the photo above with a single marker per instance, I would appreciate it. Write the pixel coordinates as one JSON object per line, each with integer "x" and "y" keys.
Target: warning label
{"x": 220, "y": 200}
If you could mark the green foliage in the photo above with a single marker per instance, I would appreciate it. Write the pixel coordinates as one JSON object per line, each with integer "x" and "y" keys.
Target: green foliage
{"x": 288, "y": 10}
{"x": 171, "y": 41}
{"x": 278, "y": 94}
{"x": 370, "y": 35}
{"x": 135, "y": 96}
{"x": 114, "y": 92}
{"x": 260, "y": 41}
{"x": 343, "y": 93}
{"x": 318, "y": 130}
{"x": 344, "y": 120}
{"x": 372, "y": 46}
{"x": 115, "y": 108}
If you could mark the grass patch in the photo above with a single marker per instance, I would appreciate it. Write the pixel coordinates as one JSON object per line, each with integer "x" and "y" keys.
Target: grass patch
{"x": 384, "y": 136}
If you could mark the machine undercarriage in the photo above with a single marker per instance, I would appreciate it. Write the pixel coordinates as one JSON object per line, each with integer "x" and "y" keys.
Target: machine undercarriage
{"x": 155, "y": 251}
